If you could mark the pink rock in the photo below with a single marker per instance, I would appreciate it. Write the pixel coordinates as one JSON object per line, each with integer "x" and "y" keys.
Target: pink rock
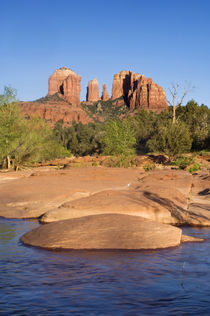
{"x": 138, "y": 91}
{"x": 105, "y": 94}
{"x": 92, "y": 91}
{"x": 66, "y": 82}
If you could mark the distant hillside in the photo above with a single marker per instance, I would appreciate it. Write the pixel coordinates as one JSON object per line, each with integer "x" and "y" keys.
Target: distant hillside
{"x": 55, "y": 108}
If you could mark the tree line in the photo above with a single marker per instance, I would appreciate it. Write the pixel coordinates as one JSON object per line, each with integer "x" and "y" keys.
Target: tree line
{"x": 143, "y": 133}
{"x": 27, "y": 141}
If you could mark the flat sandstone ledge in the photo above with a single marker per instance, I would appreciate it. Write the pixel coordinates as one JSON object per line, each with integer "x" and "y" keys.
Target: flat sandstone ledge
{"x": 103, "y": 232}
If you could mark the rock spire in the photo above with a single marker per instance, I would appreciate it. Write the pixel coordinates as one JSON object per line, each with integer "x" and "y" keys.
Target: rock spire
{"x": 92, "y": 91}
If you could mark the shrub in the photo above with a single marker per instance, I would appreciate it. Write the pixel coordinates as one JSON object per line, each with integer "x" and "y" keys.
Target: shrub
{"x": 195, "y": 167}
{"x": 183, "y": 162}
{"x": 171, "y": 139}
{"x": 149, "y": 166}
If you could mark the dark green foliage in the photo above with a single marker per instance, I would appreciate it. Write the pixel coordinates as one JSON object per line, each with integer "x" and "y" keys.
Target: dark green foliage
{"x": 24, "y": 141}
{"x": 145, "y": 124}
{"x": 152, "y": 132}
{"x": 183, "y": 162}
{"x": 197, "y": 120}
{"x": 171, "y": 139}
{"x": 105, "y": 110}
{"x": 81, "y": 139}
{"x": 149, "y": 166}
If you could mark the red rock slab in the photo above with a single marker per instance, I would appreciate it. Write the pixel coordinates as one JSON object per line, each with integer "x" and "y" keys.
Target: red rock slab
{"x": 105, "y": 231}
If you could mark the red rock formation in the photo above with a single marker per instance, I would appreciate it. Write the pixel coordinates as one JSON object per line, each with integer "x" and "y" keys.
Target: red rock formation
{"x": 54, "y": 111}
{"x": 105, "y": 94}
{"x": 66, "y": 82}
{"x": 138, "y": 91}
{"x": 92, "y": 91}
{"x": 146, "y": 94}
{"x": 72, "y": 88}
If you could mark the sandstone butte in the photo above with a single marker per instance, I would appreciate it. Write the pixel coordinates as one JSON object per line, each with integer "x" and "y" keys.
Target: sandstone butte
{"x": 128, "y": 88}
{"x": 92, "y": 91}
{"x": 66, "y": 82}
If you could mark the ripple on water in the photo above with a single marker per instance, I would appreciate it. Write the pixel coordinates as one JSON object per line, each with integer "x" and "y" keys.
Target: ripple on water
{"x": 39, "y": 282}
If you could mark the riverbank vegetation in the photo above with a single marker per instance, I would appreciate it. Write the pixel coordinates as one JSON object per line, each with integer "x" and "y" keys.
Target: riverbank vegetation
{"x": 27, "y": 141}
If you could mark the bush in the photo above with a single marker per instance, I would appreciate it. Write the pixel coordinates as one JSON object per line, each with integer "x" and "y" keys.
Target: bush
{"x": 121, "y": 161}
{"x": 194, "y": 168}
{"x": 149, "y": 166}
{"x": 171, "y": 139}
{"x": 183, "y": 162}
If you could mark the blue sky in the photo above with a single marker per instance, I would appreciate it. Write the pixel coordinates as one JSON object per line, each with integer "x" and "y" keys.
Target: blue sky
{"x": 166, "y": 40}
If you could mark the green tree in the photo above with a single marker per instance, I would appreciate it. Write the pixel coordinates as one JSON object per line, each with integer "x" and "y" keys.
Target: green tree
{"x": 197, "y": 119}
{"x": 23, "y": 141}
{"x": 9, "y": 96}
{"x": 119, "y": 138}
{"x": 171, "y": 139}
{"x": 11, "y": 129}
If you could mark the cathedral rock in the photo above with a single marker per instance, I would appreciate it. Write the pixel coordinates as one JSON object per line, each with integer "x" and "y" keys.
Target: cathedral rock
{"x": 138, "y": 91}
{"x": 66, "y": 82}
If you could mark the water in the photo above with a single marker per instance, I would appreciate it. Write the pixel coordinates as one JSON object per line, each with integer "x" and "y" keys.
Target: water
{"x": 39, "y": 282}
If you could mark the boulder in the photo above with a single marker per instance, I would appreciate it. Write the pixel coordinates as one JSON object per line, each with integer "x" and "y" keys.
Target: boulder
{"x": 92, "y": 91}
{"x": 105, "y": 231}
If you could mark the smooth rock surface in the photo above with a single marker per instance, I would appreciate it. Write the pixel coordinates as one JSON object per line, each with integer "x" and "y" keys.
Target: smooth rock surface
{"x": 106, "y": 231}
{"x": 161, "y": 196}
{"x": 31, "y": 193}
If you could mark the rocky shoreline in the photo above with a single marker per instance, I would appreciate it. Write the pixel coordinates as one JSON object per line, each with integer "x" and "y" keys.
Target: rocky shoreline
{"x": 107, "y": 208}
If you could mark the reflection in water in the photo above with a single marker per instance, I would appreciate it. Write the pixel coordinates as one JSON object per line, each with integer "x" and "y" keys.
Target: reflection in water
{"x": 39, "y": 282}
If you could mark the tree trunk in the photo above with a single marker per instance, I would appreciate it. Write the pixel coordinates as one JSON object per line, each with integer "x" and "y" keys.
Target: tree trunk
{"x": 174, "y": 114}
{"x": 8, "y": 162}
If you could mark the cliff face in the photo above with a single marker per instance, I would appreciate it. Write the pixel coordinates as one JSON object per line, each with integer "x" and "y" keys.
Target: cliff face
{"x": 138, "y": 91}
{"x": 66, "y": 82}
{"x": 54, "y": 109}
{"x": 92, "y": 91}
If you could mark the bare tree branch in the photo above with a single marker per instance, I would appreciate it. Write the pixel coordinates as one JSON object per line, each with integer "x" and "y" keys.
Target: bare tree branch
{"x": 175, "y": 103}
